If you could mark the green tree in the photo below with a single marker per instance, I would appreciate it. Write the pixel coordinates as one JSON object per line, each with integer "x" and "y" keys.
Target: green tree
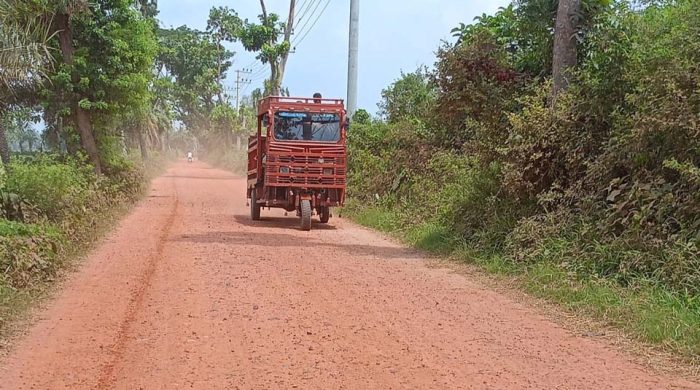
{"x": 63, "y": 13}
{"x": 223, "y": 25}
{"x": 193, "y": 61}
{"x": 107, "y": 69}
{"x": 411, "y": 96}
{"x": 264, "y": 38}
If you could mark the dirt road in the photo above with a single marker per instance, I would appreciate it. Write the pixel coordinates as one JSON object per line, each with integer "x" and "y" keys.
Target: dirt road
{"x": 189, "y": 293}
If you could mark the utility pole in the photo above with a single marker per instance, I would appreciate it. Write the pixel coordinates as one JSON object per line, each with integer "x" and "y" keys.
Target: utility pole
{"x": 239, "y": 82}
{"x": 353, "y": 56}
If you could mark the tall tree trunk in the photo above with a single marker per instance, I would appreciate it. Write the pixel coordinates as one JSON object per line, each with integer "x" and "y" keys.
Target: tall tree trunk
{"x": 564, "y": 59}
{"x": 274, "y": 80}
{"x": 218, "y": 73}
{"x": 4, "y": 149}
{"x": 264, "y": 9}
{"x": 142, "y": 145}
{"x": 80, "y": 117}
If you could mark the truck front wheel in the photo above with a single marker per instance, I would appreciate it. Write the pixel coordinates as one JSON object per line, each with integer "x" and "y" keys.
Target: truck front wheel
{"x": 305, "y": 215}
{"x": 254, "y": 206}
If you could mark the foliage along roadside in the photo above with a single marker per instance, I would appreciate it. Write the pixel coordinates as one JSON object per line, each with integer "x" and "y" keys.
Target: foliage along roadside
{"x": 592, "y": 198}
{"x": 65, "y": 207}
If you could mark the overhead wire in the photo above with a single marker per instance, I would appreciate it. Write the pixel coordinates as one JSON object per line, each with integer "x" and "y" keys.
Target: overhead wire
{"x": 310, "y": 16}
{"x": 313, "y": 24}
{"x": 248, "y": 85}
{"x": 260, "y": 70}
{"x": 302, "y": 11}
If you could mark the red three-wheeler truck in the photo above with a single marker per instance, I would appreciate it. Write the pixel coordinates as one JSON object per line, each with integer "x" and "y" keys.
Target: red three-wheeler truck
{"x": 297, "y": 161}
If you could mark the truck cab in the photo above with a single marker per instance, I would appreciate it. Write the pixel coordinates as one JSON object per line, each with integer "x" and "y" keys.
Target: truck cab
{"x": 297, "y": 160}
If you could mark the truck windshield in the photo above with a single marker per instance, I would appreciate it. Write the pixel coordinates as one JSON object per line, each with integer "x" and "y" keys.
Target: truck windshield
{"x": 307, "y": 126}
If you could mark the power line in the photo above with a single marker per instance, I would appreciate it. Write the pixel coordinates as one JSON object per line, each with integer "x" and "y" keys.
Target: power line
{"x": 259, "y": 71}
{"x": 241, "y": 81}
{"x": 264, "y": 76}
{"x": 261, "y": 76}
{"x": 314, "y": 23}
{"x": 306, "y": 23}
{"x": 302, "y": 11}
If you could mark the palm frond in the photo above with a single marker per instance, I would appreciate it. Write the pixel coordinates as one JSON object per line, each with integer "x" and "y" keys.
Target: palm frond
{"x": 24, "y": 45}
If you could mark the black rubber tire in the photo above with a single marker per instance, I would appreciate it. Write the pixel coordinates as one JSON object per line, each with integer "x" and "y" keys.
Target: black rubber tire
{"x": 305, "y": 215}
{"x": 254, "y": 206}
{"x": 324, "y": 214}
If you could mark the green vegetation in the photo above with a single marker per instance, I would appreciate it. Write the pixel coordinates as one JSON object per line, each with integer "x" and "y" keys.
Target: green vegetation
{"x": 58, "y": 207}
{"x": 587, "y": 193}
{"x": 90, "y": 92}
{"x": 85, "y": 69}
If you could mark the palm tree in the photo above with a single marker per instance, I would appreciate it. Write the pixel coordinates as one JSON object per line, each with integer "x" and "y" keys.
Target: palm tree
{"x": 24, "y": 53}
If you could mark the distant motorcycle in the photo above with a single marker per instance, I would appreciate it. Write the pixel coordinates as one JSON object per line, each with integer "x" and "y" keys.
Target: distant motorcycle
{"x": 190, "y": 158}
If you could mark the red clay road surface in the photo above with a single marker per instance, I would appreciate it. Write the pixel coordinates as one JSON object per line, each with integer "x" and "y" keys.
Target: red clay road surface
{"x": 189, "y": 293}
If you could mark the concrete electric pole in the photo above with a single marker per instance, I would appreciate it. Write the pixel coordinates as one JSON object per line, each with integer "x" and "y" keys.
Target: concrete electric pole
{"x": 353, "y": 56}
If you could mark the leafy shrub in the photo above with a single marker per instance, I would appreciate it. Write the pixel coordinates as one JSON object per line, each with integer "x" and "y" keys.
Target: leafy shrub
{"x": 63, "y": 201}
{"x": 642, "y": 181}
{"x": 477, "y": 86}
{"x": 603, "y": 181}
{"x": 580, "y": 246}
{"x": 412, "y": 96}
{"x": 51, "y": 185}
{"x": 545, "y": 147}
{"x": 28, "y": 253}
{"x": 124, "y": 178}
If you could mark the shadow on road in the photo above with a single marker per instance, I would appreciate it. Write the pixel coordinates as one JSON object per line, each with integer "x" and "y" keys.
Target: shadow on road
{"x": 281, "y": 222}
{"x": 267, "y": 239}
{"x": 223, "y": 178}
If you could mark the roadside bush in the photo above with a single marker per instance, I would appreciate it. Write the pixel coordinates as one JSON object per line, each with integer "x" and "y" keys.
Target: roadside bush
{"x": 52, "y": 186}
{"x": 124, "y": 179}
{"x": 545, "y": 147}
{"x": 63, "y": 204}
{"x": 477, "y": 88}
{"x": 29, "y": 253}
{"x": 605, "y": 179}
{"x": 592, "y": 195}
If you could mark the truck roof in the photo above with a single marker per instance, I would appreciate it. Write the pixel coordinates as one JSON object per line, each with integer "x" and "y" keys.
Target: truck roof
{"x": 279, "y": 103}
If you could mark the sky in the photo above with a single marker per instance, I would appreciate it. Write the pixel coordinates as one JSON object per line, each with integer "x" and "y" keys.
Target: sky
{"x": 395, "y": 36}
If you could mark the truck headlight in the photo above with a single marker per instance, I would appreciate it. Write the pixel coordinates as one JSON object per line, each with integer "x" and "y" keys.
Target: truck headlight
{"x": 328, "y": 171}
{"x": 321, "y": 160}
{"x": 284, "y": 170}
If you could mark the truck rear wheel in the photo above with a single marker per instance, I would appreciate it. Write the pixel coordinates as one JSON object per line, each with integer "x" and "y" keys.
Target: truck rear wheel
{"x": 324, "y": 214}
{"x": 306, "y": 215}
{"x": 254, "y": 206}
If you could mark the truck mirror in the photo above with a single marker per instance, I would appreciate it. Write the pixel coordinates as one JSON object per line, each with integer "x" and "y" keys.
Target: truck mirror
{"x": 347, "y": 124}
